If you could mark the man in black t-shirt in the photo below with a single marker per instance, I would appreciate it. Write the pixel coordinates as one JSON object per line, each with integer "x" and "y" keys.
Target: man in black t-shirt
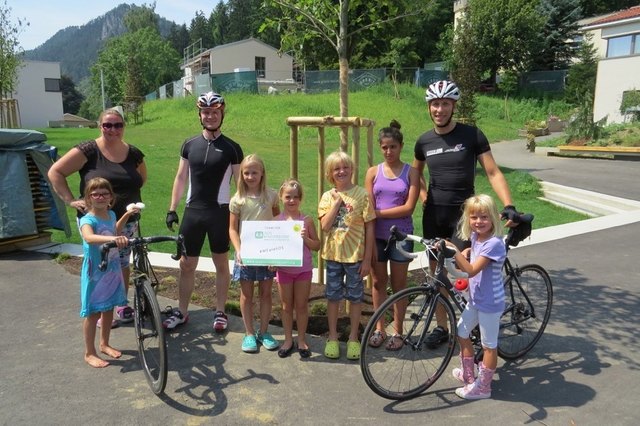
{"x": 208, "y": 161}
{"x": 451, "y": 151}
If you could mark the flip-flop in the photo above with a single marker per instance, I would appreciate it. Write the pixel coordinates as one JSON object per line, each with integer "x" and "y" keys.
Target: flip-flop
{"x": 353, "y": 350}
{"x": 332, "y": 349}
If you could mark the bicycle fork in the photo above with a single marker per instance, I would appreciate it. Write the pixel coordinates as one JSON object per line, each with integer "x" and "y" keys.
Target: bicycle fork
{"x": 427, "y": 308}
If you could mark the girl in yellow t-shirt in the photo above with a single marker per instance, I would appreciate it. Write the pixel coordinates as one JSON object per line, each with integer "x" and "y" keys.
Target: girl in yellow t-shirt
{"x": 346, "y": 216}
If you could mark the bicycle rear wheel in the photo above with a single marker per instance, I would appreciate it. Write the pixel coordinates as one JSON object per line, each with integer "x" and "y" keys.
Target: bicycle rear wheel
{"x": 529, "y": 296}
{"x": 152, "y": 349}
{"x": 408, "y": 371}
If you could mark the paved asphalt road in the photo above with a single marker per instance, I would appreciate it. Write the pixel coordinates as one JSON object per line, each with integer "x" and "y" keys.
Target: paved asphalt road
{"x": 584, "y": 371}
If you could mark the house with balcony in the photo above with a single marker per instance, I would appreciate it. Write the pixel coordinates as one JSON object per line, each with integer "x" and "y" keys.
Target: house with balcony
{"x": 271, "y": 67}
{"x": 619, "y": 64}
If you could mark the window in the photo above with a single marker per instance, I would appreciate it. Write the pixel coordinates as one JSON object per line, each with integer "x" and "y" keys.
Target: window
{"x": 623, "y": 46}
{"x": 52, "y": 85}
{"x": 261, "y": 66}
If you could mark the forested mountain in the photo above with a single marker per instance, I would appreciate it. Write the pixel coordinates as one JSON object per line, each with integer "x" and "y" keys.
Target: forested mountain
{"x": 76, "y": 48}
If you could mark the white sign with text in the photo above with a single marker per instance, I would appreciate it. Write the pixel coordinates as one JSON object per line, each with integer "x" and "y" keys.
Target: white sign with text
{"x": 271, "y": 243}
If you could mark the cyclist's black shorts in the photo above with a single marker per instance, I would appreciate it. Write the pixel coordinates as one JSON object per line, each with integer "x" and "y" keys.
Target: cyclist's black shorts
{"x": 212, "y": 222}
{"x": 442, "y": 222}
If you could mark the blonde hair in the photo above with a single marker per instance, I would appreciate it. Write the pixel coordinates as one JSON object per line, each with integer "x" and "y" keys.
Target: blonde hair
{"x": 242, "y": 188}
{"x": 291, "y": 183}
{"x": 333, "y": 160}
{"x": 480, "y": 203}
{"x": 97, "y": 183}
{"x": 110, "y": 111}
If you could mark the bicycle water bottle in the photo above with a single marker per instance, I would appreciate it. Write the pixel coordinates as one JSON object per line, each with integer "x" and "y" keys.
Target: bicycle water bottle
{"x": 462, "y": 286}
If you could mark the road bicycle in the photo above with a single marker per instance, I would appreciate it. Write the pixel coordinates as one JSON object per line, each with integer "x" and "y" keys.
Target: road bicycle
{"x": 410, "y": 315}
{"x": 152, "y": 346}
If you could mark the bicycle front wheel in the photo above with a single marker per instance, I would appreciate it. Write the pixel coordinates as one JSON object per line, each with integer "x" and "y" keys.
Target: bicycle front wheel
{"x": 152, "y": 349}
{"x": 404, "y": 365}
{"x": 529, "y": 296}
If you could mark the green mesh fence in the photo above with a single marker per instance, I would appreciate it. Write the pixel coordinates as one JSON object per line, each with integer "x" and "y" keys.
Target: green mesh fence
{"x": 543, "y": 81}
{"x": 329, "y": 80}
{"x": 235, "y": 82}
{"x": 424, "y": 77}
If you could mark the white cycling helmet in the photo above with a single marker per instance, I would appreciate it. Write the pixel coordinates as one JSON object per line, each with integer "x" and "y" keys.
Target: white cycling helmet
{"x": 210, "y": 100}
{"x": 443, "y": 89}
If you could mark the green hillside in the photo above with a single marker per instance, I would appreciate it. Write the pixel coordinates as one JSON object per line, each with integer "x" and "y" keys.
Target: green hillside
{"x": 258, "y": 123}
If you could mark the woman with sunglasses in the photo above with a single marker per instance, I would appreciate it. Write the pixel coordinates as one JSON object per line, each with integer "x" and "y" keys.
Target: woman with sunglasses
{"x": 111, "y": 158}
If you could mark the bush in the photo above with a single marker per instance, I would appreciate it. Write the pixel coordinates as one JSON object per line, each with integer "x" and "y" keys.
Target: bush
{"x": 318, "y": 309}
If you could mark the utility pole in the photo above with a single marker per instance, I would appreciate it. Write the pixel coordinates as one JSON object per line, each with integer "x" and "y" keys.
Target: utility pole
{"x": 104, "y": 105}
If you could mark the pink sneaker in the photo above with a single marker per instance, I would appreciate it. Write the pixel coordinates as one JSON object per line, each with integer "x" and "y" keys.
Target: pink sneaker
{"x": 175, "y": 319}
{"x": 220, "y": 322}
{"x": 124, "y": 314}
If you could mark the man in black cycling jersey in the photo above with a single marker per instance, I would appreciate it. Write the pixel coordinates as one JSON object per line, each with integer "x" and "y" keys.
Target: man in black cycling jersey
{"x": 207, "y": 163}
{"x": 451, "y": 151}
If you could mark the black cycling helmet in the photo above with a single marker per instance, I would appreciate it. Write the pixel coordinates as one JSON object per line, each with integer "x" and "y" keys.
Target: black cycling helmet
{"x": 443, "y": 89}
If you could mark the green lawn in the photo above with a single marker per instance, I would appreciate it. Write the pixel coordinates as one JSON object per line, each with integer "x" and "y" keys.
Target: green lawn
{"x": 258, "y": 123}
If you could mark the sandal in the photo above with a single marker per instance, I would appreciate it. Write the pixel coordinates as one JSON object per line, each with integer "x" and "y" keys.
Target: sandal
{"x": 377, "y": 339}
{"x": 395, "y": 343}
{"x": 353, "y": 350}
{"x": 304, "y": 353}
{"x": 332, "y": 349}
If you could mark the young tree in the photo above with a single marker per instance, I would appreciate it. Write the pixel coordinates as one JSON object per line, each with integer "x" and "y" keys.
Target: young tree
{"x": 10, "y": 50}
{"x": 401, "y": 53}
{"x": 338, "y": 25}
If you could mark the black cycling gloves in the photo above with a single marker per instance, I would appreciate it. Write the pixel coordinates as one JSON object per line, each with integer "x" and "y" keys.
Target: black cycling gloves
{"x": 510, "y": 213}
{"x": 172, "y": 217}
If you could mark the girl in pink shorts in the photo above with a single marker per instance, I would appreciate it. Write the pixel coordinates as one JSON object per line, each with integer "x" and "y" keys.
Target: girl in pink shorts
{"x": 294, "y": 283}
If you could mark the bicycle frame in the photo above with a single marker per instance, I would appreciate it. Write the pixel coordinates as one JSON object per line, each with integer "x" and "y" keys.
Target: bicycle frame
{"x": 152, "y": 349}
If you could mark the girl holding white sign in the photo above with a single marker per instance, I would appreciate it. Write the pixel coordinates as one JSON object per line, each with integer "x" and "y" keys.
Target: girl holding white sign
{"x": 253, "y": 201}
{"x": 294, "y": 283}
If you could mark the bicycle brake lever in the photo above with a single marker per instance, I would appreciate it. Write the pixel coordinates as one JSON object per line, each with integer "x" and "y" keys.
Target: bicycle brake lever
{"x": 180, "y": 249}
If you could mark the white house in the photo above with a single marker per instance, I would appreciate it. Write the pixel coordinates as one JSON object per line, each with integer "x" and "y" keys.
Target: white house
{"x": 38, "y": 94}
{"x": 619, "y": 66}
{"x": 245, "y": 55}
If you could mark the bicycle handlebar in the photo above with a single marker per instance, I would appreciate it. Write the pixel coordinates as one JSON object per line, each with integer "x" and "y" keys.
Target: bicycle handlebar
{"x": 435, "y": 244}
{"x": 137, "y": 241}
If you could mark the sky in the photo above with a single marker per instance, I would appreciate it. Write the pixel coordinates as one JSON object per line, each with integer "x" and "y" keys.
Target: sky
{"x": 47, "y": 17}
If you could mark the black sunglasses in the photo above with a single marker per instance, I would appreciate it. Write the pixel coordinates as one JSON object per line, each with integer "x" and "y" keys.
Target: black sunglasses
{"x": 110, "y": 125}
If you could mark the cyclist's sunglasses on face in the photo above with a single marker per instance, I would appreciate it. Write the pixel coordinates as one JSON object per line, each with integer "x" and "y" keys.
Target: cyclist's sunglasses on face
{"x": 108, "y": 126}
